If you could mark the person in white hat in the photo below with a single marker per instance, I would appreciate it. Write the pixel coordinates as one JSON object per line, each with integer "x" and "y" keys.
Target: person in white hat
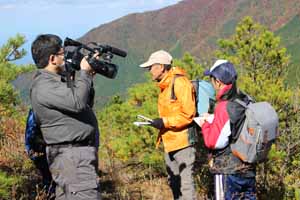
{"x": 176, "y": 107}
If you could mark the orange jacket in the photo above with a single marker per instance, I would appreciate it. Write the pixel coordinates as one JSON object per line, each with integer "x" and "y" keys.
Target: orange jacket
{"x": 176, "y": 114}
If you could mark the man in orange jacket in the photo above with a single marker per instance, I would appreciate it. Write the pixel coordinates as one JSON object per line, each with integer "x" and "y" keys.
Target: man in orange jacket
{"x": 176, "y": 107}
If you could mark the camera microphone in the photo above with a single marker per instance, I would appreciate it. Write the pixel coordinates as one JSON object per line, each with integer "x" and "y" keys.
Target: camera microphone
{"x": 115, "y": 51}
{"x": 70, "y": 42}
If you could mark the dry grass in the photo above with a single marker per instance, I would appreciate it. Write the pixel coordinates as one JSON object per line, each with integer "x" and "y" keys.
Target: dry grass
{"x": 12, "y": 150}
{"x": 135, "y": 183}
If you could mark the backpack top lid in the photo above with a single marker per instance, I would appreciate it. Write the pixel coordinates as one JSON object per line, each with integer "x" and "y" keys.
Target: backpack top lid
{"x": 207, "y": 89}
{"x": 205, "y": 96}
{"x": 266, "y": 117}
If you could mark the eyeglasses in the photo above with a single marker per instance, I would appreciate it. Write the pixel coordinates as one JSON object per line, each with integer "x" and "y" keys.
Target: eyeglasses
{"x": 60, "y": 53}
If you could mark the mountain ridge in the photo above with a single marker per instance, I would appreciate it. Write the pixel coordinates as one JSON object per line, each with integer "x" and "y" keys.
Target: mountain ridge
{"x": 189, "y": 26}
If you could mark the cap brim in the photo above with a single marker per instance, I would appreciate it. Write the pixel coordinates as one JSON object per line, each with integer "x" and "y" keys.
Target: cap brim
{"x": 207, "y": 72}
{"x": 146, "y": 64}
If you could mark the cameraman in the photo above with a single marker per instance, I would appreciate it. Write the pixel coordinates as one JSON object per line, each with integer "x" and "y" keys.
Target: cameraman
{"x": 68, "y": 123}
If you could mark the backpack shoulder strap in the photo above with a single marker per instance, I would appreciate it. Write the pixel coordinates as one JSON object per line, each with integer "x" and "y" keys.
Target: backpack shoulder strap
{"x": 244, "y": 99}
{"x": 195, "y": 84}
{"x": 173, "y": 96}
{"x": 237, "y": 114}
{"x": 240, "y": 102}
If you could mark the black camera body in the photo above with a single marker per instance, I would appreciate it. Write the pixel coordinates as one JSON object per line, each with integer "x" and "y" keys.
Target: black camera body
{"x": 74, "y": 54}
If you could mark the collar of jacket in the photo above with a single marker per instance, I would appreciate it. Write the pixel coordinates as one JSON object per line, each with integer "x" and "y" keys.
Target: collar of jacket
{"x": 223, "y": 91}
{"x": 166, "y": 81}
{"x": 54, "y": 75}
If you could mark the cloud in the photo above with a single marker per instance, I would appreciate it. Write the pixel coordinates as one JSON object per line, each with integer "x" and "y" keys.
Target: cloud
{"x": 6, "y": 6}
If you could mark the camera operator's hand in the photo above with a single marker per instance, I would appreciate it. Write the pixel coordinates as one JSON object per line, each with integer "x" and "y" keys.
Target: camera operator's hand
{"x": 84, "y": 65}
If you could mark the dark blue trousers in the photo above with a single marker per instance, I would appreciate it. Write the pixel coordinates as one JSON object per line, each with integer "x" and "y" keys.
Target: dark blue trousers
{"x": 238, "y": 187}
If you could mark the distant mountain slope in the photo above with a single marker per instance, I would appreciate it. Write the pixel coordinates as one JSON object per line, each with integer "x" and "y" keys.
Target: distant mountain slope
{"x": 190, "y": 25}
{"x": 290, "y": 36}
{"x": 193, "y": 26}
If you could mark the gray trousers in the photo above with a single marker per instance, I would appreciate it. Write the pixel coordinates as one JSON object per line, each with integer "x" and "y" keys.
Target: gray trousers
{"x": 74, "y": 171}
{"x": 180, "y": 173}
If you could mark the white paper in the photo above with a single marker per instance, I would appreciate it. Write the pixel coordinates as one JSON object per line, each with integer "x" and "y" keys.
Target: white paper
{"x": 209, "y": 119}
{"x": 141, "y": 123}
{"x": 197, "y": 120}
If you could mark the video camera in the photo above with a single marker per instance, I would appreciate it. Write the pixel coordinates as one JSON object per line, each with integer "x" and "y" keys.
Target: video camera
{"x": 74, "y": 52}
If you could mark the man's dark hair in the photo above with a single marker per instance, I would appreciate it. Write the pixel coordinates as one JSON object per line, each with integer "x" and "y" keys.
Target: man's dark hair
{"x": 43, "y": 47}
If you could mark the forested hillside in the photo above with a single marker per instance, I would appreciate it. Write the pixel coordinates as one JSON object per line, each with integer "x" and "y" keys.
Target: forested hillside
{"x": 290, "y": 37}
{"x": 262, "y": 65}
{"x": 189, "y": 26}
{"x": 130, "y": 166}
{"x": 192, "y": 26}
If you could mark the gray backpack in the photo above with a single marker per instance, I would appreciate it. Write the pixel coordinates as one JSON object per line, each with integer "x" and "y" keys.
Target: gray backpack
{"x": 257, "y": 134}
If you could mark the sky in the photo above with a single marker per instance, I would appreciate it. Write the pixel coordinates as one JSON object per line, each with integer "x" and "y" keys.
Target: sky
{"x": 66, "y": 18}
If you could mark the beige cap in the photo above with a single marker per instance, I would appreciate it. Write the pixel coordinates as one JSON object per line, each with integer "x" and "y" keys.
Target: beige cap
{"x": 158, "y": 57}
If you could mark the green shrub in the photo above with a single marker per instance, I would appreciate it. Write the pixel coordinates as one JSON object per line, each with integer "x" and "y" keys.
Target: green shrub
{"x": 8, "y": 185}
